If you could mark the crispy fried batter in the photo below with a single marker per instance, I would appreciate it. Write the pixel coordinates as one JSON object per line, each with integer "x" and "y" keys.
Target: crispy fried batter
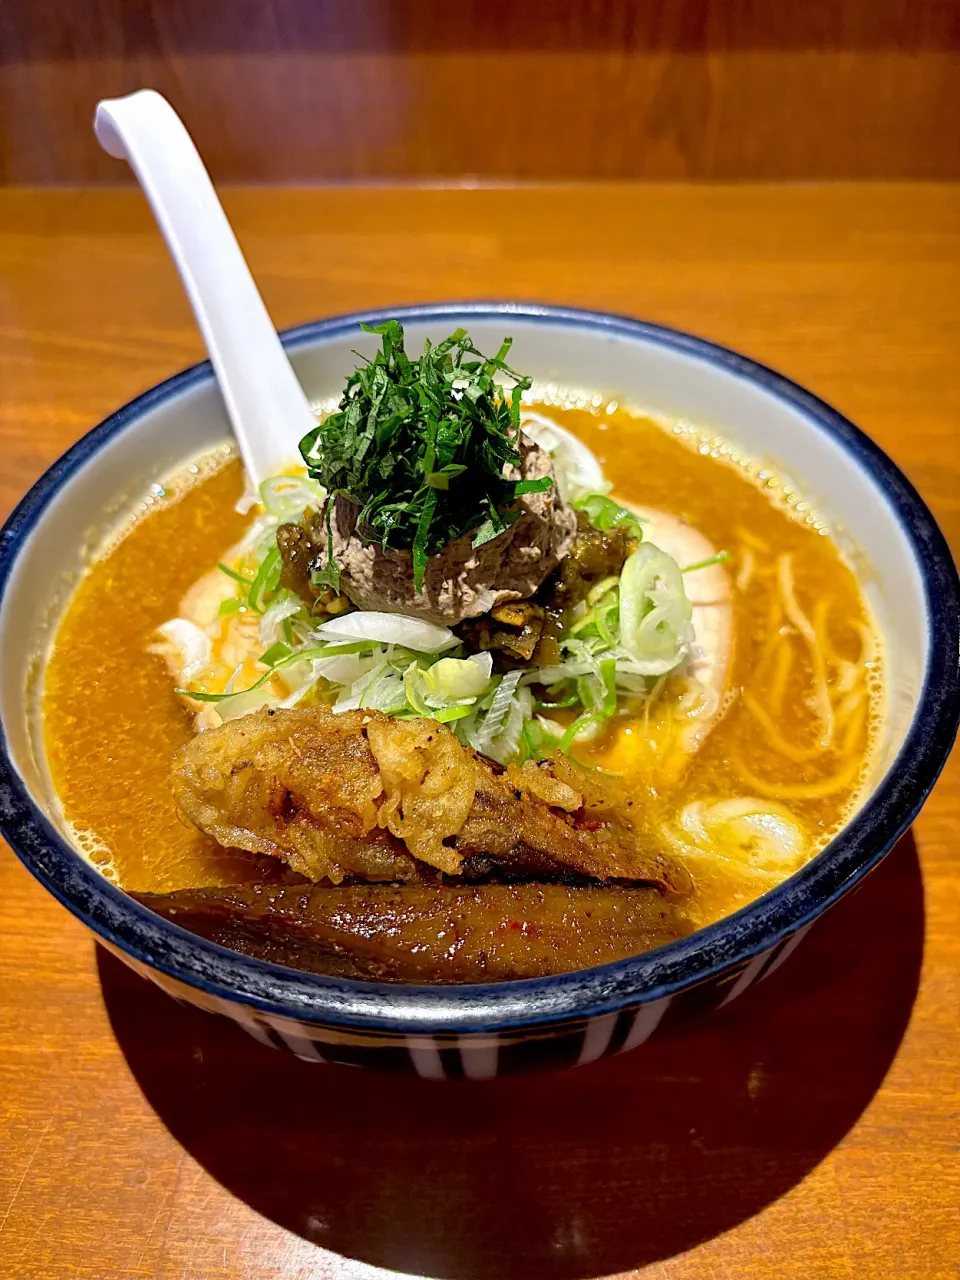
{"x": 269, "y": 784}
{"x": 335, "y": 795}
{"x": 557, "y": 819}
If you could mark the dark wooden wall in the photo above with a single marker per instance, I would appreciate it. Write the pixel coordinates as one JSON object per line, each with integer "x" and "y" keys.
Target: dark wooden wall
{"x": 313, "y": 90}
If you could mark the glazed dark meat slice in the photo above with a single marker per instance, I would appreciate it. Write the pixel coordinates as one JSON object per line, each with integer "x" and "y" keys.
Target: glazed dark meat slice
{"x": 413, "y": 933}
{"x": 362, "y": 795}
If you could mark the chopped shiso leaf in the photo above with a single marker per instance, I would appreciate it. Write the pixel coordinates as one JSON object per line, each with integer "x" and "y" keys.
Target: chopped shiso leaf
{"x": 420, "y": 446}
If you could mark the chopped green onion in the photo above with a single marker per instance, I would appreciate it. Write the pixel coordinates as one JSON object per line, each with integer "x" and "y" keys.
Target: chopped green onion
{"x": 232, "y": 573}
{"x": 330, "y": 650}
{"x": 232, "y": 604}
{"x": 458, "y": 678}
{"x": 287, "y": 497}
{"x": 608, "y": 674}
{"x": 532, "y": 739}
{"x": 601, "y": 588}
{"x": 446, "y": 714}
{"x": 605, "y": 514}
{"x": 719, "y": 558}
{"x": 275, "y": 653}
{"x": 570, "y": 701}
{"x": 298, "y": 655}
{"x": 581, "y": 722}
{"x": 596, "y": 768}
{"x": 608, "y": 622}
{"x": 219, "y": 697}
{"x": 267, "y": 577}
{"x": 413, "y": 687}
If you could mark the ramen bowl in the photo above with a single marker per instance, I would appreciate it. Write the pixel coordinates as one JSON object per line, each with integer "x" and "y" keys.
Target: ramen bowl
{"x": 476, "y": 1031}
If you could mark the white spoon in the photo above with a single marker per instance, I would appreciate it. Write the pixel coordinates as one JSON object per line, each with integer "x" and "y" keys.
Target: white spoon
{"x": 267, "y": 407}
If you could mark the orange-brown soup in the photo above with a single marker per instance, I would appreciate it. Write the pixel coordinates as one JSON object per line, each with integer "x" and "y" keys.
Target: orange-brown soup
{"x": 796, "y": 729}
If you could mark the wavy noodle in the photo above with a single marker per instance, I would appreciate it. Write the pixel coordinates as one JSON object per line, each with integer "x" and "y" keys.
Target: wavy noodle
{"x": 856, "y": 725}
{"x": 781, "y": 675}
{"x": 848, "y": 671}
{"x": 747, "y": 566}
{"x": 821, "y": 702}
{"x": 775, "y": 737}
{"x": 821, "y": 613}
{"x": 848, "y": 705}
{"x": 839, "y": 696}
{"x": 726, "y": 702}
{"x": 791, "y": 608}
{"x": 752, "y": 540}
{"x": 773, "y": 635}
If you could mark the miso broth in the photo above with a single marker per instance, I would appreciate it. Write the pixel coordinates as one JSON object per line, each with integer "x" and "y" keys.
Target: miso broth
{"x": 795, "y": 731}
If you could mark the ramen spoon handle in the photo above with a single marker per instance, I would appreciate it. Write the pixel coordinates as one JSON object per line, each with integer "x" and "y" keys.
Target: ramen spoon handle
{"x": 266, "y": 405}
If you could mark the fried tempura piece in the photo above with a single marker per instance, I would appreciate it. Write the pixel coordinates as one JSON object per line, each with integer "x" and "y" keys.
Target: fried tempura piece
{"x": 415, "y": 933}
{"x": 357, "y": 794}
{"x": 558, "y": 817}
{"x": 268, "y": 784}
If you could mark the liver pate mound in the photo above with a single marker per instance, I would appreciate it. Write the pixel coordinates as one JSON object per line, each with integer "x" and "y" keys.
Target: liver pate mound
{"x": 461, "y": 581}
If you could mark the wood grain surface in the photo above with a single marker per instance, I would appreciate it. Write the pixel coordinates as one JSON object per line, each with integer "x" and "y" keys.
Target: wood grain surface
{"x": 812, "y": 1129}
{"x": 283, "y": 90}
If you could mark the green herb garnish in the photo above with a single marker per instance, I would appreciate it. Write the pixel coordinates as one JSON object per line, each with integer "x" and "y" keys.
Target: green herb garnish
{"x": 421, "y": 445}
{"x": 720, "y": 558}
{"x": 275, "y": 653}
{"x": 232, "y": 573}
{"x": 605, "y": 514}
{"x": 267, "y": 578}
{"x": 276, "y": 663}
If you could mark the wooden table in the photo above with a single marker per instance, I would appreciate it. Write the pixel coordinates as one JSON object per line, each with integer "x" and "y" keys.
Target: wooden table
{"x": 810, "y": 1130}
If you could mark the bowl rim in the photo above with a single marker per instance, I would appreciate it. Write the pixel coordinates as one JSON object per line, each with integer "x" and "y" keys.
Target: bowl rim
{"x": 407, "y": 1010}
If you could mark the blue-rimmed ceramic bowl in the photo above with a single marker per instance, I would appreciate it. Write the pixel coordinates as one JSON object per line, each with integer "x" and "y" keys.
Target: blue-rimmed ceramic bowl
{"x": 480, "y": 1031}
